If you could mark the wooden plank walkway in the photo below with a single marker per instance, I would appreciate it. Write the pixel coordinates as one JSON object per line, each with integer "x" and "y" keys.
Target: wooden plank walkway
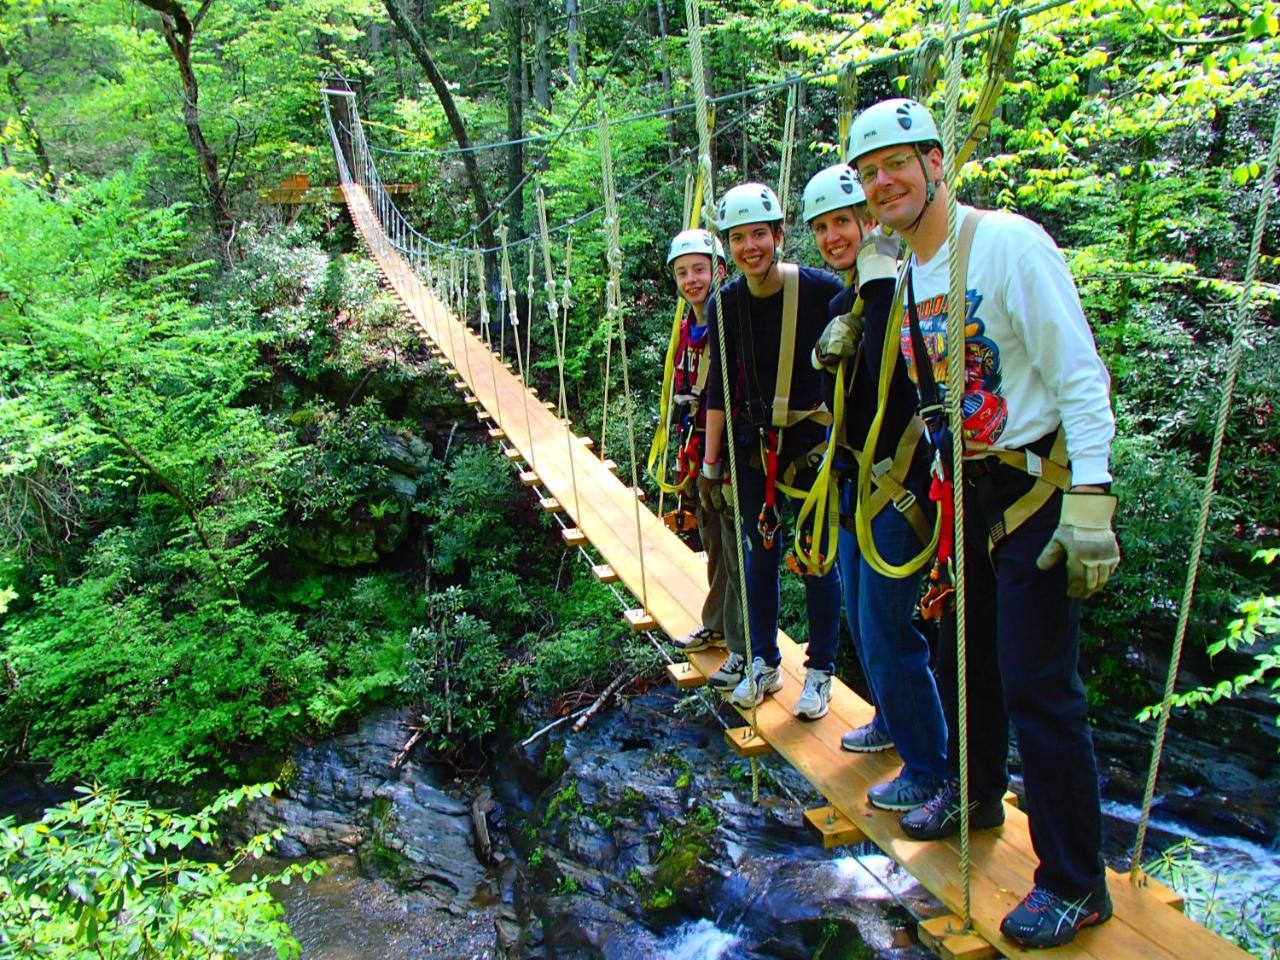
{"x": 603, "y": 508}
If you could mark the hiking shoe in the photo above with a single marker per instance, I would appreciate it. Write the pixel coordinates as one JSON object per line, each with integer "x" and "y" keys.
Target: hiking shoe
{"x": 815, "y": 696}
{"x": 866, "y": 739}
{"x": 730, "y": 673}
{"x": 900, "y": 793}
{"x": 701, "y": 639}
{"x": 940, "y": 815}
{"x": 758, "y": 681}
{"x": 1044, "y": 919}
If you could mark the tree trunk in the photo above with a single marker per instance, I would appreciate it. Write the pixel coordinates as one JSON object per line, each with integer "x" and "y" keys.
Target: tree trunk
{"x": 515, "y": 116}
{"x": 571, "y": 12}
{"x": 542, "y": 54}
{"x": 665, "y": 60}
{"x": 419, "y": 48}
{"x": 179, "y": 32}
{"x": 48, "y": 179}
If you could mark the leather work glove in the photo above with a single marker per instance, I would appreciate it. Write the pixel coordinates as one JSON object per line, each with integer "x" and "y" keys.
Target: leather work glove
{"x": 1085, "y": 538}
{"x": 711, "y": 487}
{"x": 838, "y": 340}
{"x": 877, "y": 257}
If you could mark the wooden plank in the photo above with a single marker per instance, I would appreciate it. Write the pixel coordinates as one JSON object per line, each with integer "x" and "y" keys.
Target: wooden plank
{"x": 745, "y": 743}
{"x": 611, "y": 466}
{"x": 1166, "y": 895}
{"x": 603, "y": 508}
{"x": 471, "y": 401}
{"x": 946, "y": 937}
{"x": 497, "y": 433}
{"x": 836, "y": 829}
{"x": 529, "y": 478}
{"x": 640, "y": 620}
{"x": 573, "y": 537}
{"x": 550, "y": 505}
{"x": 685, "y": 675}
{"x": 604, "y": 573}
{"x": 511, "y": 453}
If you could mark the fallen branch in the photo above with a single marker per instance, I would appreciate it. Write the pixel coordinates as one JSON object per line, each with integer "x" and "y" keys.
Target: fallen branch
{"x": 552, "y": 725}
{"x": 398, "y": 760}
{"x": 618, "y": 682}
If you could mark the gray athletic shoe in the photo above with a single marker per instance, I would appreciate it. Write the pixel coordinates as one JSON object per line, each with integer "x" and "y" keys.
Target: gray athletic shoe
{"x": 899, "y": 794}
{"x": 761, "y": 679}
{"x": 815, "y": 696}
{"x": 730, "y": 673}
{"x": 866, "y": 739}
{"x": 701, "y": 639}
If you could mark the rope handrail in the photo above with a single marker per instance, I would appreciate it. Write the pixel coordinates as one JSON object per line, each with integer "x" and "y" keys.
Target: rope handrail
{"x": 955, "y": 415}
{"x": 1238, "y": 336}
{"x": 693, "y": 16}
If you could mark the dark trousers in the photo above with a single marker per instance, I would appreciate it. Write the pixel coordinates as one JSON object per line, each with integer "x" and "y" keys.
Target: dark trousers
{"x": 1023, "y": 645}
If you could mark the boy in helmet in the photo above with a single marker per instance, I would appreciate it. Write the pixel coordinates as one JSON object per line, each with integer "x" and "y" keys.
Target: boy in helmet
{"x": 1037, "y": 435}
{"x": 772, "y": 315}
{"x": 893, "y": 652}
{"x": 695, "y": 258}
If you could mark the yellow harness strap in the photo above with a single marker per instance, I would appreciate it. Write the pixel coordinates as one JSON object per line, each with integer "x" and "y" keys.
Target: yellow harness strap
{"x": 1051, "y": 473}
{"x": 888, "y": 477}
{"x": 787, "y": 345}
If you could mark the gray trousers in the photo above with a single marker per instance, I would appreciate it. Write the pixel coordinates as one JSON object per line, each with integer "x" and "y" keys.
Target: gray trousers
{"x": 722, "y": 611}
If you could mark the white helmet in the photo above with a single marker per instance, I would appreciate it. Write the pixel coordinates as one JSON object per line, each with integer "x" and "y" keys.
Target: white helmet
{"x": 890, "y": 123}
{"x": 747, "y": 203}
{"x": 695, "y": 241}
{"x": 831, "y": 189}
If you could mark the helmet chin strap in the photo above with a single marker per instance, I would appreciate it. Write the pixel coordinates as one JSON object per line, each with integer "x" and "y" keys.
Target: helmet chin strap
{"x": 930, "y": 192}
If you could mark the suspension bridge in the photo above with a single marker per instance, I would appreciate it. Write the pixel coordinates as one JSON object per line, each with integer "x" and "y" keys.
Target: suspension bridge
{"x": 602, "y": 515}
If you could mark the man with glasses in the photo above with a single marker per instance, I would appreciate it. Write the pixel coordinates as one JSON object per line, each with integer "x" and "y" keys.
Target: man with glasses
{"x": 1037, "y": 435}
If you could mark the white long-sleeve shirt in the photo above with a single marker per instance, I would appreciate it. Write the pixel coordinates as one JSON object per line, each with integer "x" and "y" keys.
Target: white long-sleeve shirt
{"x": 1031, "y": 361}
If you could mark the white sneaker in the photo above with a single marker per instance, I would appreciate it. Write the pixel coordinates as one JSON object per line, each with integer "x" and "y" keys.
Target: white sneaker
{"x": 760, "y": 679}
{"x": 815, "y": 696}
{"x": 729, "y": 675}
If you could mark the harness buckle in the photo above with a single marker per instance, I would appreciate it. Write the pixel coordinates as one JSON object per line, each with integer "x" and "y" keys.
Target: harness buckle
{"x": 904, "y": 501}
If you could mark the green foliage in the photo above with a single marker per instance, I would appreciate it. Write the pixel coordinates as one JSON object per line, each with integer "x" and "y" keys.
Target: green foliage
{"x": 105, "y": 876}
{"x": 1256, "y": 632}
{"x": 1253, "y": 923}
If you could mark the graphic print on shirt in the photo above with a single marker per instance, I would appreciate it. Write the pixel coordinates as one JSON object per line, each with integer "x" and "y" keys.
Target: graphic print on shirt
{"x": 985, "y": 409}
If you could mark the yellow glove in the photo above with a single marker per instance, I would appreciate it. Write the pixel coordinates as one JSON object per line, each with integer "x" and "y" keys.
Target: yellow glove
{"x": 838, "y": 340}
{"x": 711, "y": 487}
{"x": 1085, "y": 538}
{"x": 877, "y": 257}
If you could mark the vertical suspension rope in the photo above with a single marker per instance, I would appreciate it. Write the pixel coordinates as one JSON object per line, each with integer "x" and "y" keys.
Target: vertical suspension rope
{"x": 1266, "y": 194}
{"x": 694, "y": 18}
{"x": 512, "y": 316}
{"x": 528, "y": 295}
{"x": 477, "y": 264}
{"x": 466, "y": 325}
{"x": 788, "y": 148}
{"x": 555, "y": 335}
{"x": 955, "y": 414}
{"x": 613, "y": 317}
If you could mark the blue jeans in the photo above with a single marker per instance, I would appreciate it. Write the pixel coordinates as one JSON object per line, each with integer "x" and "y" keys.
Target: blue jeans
{"x": 761, "y": 566}
{"x": 894, "y": 654}
{"x": 1023, "y": 667}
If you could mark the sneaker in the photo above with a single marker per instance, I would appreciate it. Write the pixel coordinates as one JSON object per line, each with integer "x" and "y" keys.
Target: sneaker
{"x": 815, "y": 696}
{"x": 866, "y": 739}
{"x": 730, "y": 673}
{"x": 759, "y": 680}
{"x": 701, "y": 639}
{"x": 1044, "y": 919}
{"x": 900, "y": 793}
{"x": 940, "y": 815}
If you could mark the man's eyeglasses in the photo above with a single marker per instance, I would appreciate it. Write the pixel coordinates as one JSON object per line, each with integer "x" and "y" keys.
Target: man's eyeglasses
{"x": 892, "y": 164}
